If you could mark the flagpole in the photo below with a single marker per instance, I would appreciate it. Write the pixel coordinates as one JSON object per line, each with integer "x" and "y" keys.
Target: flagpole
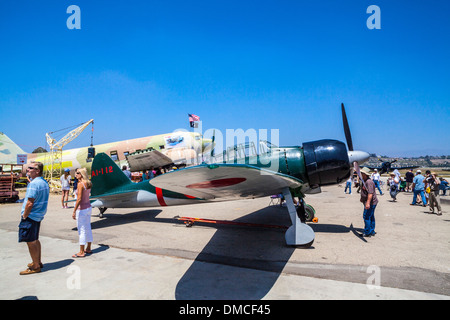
{"x": 190, "y": 122}
{"x": 194, "y": 122}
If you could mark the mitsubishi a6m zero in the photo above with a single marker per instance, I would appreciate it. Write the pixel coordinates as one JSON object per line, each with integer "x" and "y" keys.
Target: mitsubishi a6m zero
{"x": 292, "y": 171}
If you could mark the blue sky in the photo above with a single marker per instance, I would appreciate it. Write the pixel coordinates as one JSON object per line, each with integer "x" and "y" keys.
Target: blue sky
{"x": 139, "y": 67}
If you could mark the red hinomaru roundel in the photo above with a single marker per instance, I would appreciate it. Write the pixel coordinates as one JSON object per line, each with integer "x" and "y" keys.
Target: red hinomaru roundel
{"x": 219, "y": 183}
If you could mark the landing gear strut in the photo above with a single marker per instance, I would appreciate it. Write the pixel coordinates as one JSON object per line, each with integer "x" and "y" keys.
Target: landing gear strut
{"x": 102, "y": 210}
{"x": 299, "y": 234}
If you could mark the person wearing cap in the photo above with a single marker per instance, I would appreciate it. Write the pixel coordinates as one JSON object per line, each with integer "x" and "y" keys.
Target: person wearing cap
{"x": 376, "y": 179}
{"x": 418, "y": 187}
{"x": 370, "y": 201}
{"x": 65, "y": 187}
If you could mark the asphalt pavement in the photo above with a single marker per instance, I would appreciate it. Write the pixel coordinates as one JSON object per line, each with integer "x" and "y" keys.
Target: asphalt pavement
{"x": 148, "y": 254}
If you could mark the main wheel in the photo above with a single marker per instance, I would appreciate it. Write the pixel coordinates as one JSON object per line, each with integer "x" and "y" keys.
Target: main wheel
{"x": 102, "y": 210}
{"x": 310, "y": 213}
{"x": 305, "y": 213}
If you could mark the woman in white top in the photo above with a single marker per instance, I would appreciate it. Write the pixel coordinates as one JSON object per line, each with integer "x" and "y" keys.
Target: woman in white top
{"x": 82, "y": 213}
{"x": 394, "y": 183}
{"x": 65, "y": 186}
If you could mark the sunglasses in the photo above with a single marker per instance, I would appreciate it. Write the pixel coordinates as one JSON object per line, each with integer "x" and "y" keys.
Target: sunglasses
{"x": 31, "y": 168}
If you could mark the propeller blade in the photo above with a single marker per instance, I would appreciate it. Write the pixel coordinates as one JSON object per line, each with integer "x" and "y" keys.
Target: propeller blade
{"x": 348, "y": 135}
{"x": 358, "y": 171}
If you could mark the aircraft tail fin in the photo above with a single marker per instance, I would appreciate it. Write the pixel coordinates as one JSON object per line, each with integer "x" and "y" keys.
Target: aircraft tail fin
{"x": 107, "y": 177}
{"x": 8, "y": 149}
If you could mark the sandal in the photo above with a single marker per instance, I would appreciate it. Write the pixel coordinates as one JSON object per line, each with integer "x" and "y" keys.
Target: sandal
{"x": 31, "y": 264}
{"x": 78, "y": 256}
{"x": 30, "y": 271}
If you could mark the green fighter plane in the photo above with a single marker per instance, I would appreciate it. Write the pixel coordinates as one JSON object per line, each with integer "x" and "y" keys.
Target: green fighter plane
{"x": 292, "y": 171}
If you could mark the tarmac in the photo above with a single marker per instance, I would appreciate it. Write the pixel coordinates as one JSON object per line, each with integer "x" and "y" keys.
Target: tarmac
{"x": 148, "y": 254}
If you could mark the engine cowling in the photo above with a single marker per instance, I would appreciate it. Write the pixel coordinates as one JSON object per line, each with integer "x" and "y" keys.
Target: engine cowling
{"x": 326, "y": 162}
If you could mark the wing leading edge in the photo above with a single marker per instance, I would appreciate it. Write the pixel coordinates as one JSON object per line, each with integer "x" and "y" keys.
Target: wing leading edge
{"x": 225, "y": 181}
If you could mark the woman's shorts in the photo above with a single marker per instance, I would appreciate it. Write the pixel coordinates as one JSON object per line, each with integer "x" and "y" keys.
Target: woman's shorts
{"x": 29, "y": 230}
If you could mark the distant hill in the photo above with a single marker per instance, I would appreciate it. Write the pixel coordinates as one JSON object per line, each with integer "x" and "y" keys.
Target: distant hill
{"x": 423, "y": 161}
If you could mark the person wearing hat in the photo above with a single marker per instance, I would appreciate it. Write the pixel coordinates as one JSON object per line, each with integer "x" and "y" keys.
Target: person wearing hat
{"x": 370, "y": 201}
{"x": 434, "y": 199}
{"x": 65, "y": 187}
{"x": 394, "y": 183}
{"x": 418, "y": 187}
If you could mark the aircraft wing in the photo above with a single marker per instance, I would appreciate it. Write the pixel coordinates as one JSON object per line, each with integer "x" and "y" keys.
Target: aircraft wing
{"x": 225, "y": 181}
{"x": 404, "y": 167}
{"x": 371, "y": 167}
{"x": 392, "y": 167}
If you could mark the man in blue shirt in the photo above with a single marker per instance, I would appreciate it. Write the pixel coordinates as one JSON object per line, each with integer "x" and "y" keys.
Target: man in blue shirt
{"x": 33, "y": 211}
{"x": 418, "y": 187}
{"x": 126, "y": 171}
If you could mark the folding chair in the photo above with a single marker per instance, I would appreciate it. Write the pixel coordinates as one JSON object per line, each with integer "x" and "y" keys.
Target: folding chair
{"x": 275, "y": 200}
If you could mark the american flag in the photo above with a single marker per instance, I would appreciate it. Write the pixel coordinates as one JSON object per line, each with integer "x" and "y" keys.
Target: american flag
{"x": 193, "y": 117}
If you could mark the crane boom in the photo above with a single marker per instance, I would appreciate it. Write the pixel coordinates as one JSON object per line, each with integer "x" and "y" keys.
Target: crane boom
{"x": 68, "y": 137}
{"x": 55, "y": 153}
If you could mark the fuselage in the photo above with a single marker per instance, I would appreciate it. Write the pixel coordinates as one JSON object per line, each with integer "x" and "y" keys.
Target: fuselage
{"x": 316, "y": 163}
{"x": 177, "y": 146}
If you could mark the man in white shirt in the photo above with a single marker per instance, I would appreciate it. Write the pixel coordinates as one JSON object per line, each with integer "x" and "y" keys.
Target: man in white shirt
{"x": 376, "y": 179}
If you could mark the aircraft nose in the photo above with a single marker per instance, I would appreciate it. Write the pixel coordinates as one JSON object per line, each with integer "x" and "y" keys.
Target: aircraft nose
{"x": 358, "y": 156}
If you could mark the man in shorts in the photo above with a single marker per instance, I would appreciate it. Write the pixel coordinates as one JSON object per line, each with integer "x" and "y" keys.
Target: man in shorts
{"x": 33, "y": 210}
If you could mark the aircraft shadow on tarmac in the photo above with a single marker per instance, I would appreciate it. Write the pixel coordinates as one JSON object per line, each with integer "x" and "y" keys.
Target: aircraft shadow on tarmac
{"x": 252, "y": 250}
{"x": 249, "y": 250}
{"x": 114, "y": 219}
{"x": 258, "y": 254}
